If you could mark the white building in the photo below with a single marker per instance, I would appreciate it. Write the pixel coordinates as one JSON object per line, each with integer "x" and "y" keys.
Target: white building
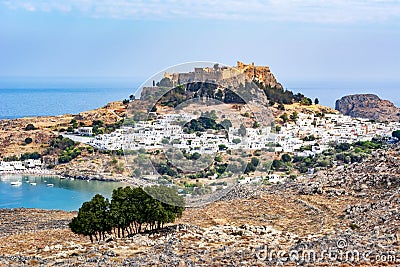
{"x": 85, "y": 131}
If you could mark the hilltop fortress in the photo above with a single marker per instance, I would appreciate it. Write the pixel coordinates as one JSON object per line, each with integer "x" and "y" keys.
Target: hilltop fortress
{"x": 218, "y": 74}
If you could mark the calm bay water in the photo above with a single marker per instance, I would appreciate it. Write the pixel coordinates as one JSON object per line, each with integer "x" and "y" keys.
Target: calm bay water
{"x": 64, "y": 195}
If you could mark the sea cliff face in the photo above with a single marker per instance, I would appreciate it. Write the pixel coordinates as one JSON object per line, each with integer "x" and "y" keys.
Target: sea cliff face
{"x": 368, "y": 106}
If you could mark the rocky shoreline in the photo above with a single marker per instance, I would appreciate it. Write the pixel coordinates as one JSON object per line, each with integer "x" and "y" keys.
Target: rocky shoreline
{"x": 65, "y": 175}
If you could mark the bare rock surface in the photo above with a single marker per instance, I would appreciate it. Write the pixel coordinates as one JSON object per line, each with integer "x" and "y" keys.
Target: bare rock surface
{"x": 368, "y": 106}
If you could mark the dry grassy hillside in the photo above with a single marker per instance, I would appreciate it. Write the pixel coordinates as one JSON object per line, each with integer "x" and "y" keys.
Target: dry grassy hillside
{"x": 347, "y": 210}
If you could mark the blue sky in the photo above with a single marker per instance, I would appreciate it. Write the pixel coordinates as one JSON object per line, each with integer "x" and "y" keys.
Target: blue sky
{"x": 306, "y": 40}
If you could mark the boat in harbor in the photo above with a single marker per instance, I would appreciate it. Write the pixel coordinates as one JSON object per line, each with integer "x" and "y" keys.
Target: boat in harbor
{"x": 16, "y": 183}
{"x": 50, "y": 185}
{"x": 34, "y": 184}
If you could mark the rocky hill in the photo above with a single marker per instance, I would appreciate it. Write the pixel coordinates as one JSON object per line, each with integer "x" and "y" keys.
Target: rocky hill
{"x": 347, "y": 210}
{"x": 368, "y": 106}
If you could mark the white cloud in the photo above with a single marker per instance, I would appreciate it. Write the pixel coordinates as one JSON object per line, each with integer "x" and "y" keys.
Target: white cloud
{"x": 322, "y": 11}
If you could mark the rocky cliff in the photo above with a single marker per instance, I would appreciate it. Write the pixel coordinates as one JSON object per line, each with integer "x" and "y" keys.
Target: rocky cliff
{"x": 368, "y": 106}
{"x": 260, "y": 73}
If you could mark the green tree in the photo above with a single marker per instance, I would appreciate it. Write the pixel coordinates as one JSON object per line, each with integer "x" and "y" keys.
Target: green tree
{"x": 123, "y": 212}
{"x": 284, "y": 117}
{"x": 396, "y": 134}
{"x": 74, "y": 123}
{"x": 34, "y": 155}
{"x": 93, "y": 219}
{"x": 219, "y": 95}
{"x": 236, "y": 141}
{"x": 226, "y": 124}
{"x": 316, "y": 101}
{"x": 130, "y": 209}
{"x": 165, "y": 141}
{"x": 99, "y": 123}
{"x": 171, "y": 205}
{"x": 218, "y": 158}
{"x": 242, "y": 130}
{"x": 286, "y": 158}
{"x": 277, "y": 164}
{"x": 255, "y": 161}
{"x": 294, "y": 116}
{"x": 306, "y": 101}
{"x": 343, "y": 147}
{"x": 256, "y": 124}
{"x": 28, "y": 140}
{"x": 222, "y": 147}
{"x": 195, "y": 156}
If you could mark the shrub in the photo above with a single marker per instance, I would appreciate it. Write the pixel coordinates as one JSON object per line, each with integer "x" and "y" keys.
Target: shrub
{"x": 34, "y": 155}
{"x": 30, "y": 127}
{"x": 226, "y": 123}
{"x": 306, "y": 101}
{"x": 396, "y": 134}
{"x": 236, "y": 141}
{"x": 286, "y": 158}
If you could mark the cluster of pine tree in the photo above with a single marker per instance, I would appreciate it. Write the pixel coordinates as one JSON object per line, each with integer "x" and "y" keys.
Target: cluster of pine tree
{"x": 276, "y": 94}
{"x": 130, "y": 211}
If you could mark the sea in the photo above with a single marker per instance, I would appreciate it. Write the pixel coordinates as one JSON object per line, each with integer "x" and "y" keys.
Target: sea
{"x": 330, "y": 91}
{"x": 47, "y": 192}
{"x": 25, "y": 97}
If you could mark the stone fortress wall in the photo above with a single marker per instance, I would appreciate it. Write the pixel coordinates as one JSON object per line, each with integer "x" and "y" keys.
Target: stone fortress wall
{"x": 217, "y": 74}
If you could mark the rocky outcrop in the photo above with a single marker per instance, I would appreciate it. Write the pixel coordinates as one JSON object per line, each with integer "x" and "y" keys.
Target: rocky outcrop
{"x": 374, "y": 183}
{"x": 368, "y": 106}
{"x": 260, "y": 73}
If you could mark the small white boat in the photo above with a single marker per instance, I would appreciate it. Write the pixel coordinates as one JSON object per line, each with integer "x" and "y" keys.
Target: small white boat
{"x": 50, "y": 185}
{"x": 16, "y": 183}
{"x": 33, "y": 184}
